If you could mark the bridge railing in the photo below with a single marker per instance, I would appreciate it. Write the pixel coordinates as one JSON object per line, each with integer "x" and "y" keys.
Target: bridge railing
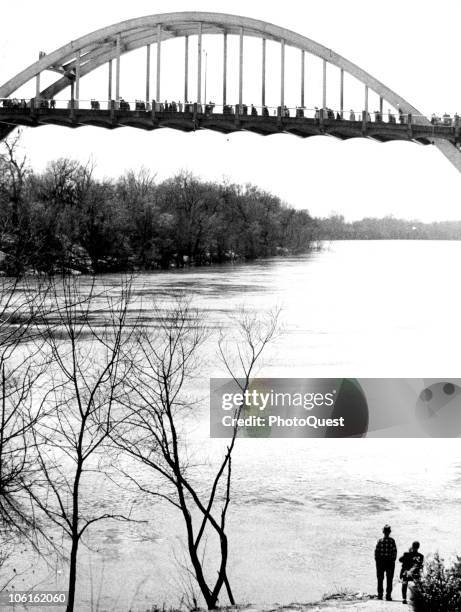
{"x": 210, "y": 108}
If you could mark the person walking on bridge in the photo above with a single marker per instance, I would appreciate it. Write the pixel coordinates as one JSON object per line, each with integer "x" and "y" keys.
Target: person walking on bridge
{"x": 385, "y": 556}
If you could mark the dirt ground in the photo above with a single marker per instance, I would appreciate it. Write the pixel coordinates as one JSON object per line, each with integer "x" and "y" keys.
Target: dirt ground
{"x": 371, "y": 605}
{"x": 360, "y": 603}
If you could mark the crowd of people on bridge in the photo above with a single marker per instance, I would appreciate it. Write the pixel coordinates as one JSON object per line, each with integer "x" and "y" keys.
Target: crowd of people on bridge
{"x": 23, "y": 104}
{"x": 446, "y": 119}
{"x": 241, "y": 109}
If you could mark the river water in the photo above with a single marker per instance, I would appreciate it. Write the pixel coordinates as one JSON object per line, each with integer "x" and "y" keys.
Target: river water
{"x": 306, "y": 513}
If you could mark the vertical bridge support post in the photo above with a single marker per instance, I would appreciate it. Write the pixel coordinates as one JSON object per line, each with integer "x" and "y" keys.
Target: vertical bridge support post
{"x": 37, "y": 83}
{"x": 77, "y": 80}
{"x": 241, "y": 70}
{"x": 302, "y": 77}
{"x": 186, "y": 70}
{"x": 324, "y": 96}
{"x": 72, "y": 98}
{"x": 341, "y": 95}
{"x": 199, "y": 65}
{"x": 282, "y": 74}
{"x": 224, "y": 71}
{"x": 263, "y": 74}
{"x": 117, "y": 71}
{"x": 109, "y": 85}
{"x": 410, "y": 123}
{"x": 147, "y": 76}
{"x": 159, "y": 61}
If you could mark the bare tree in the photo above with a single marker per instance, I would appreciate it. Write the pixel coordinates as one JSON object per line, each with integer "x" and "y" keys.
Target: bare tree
{"x": 14, "y": 207}
{"x": 13, "y": 171}
{"x": 86, "y": 335}
{"x": 152, "y": 430}
{"x": 21, "y": 370}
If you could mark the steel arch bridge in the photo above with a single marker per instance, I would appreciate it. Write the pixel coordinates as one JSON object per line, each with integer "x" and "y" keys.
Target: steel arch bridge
{"x": 80, "y": 57}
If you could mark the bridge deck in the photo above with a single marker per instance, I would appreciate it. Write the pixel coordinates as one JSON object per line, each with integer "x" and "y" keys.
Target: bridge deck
{"x": 188, "y": 121}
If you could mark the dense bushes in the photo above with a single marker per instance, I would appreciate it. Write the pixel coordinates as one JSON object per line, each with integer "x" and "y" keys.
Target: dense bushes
{"x": 439, "y": 590}
{"x": 66, "y": 218}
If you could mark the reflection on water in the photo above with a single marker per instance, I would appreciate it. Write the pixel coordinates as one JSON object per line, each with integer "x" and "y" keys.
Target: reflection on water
{"x": 306, "y": 513}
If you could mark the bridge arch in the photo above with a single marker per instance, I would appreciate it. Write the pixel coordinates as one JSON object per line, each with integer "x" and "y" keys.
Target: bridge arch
{"x": 80, "y": 57}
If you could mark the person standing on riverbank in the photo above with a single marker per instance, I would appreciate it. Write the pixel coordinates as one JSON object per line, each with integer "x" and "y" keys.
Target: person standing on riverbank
{"x": 412, "y": 564}
{"x": 385, "y": 556}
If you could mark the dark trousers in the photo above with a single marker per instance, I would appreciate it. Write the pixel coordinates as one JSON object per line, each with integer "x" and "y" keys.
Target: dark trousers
{"x": 385, "y": 567}
{"x": 404, "y": 589}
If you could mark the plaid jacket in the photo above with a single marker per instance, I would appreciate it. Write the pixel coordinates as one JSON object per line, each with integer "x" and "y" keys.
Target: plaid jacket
{"x": 386, "y": 550}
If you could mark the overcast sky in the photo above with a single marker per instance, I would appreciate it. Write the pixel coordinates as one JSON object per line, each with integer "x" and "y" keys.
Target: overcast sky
{"x": 411, "y": 46}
